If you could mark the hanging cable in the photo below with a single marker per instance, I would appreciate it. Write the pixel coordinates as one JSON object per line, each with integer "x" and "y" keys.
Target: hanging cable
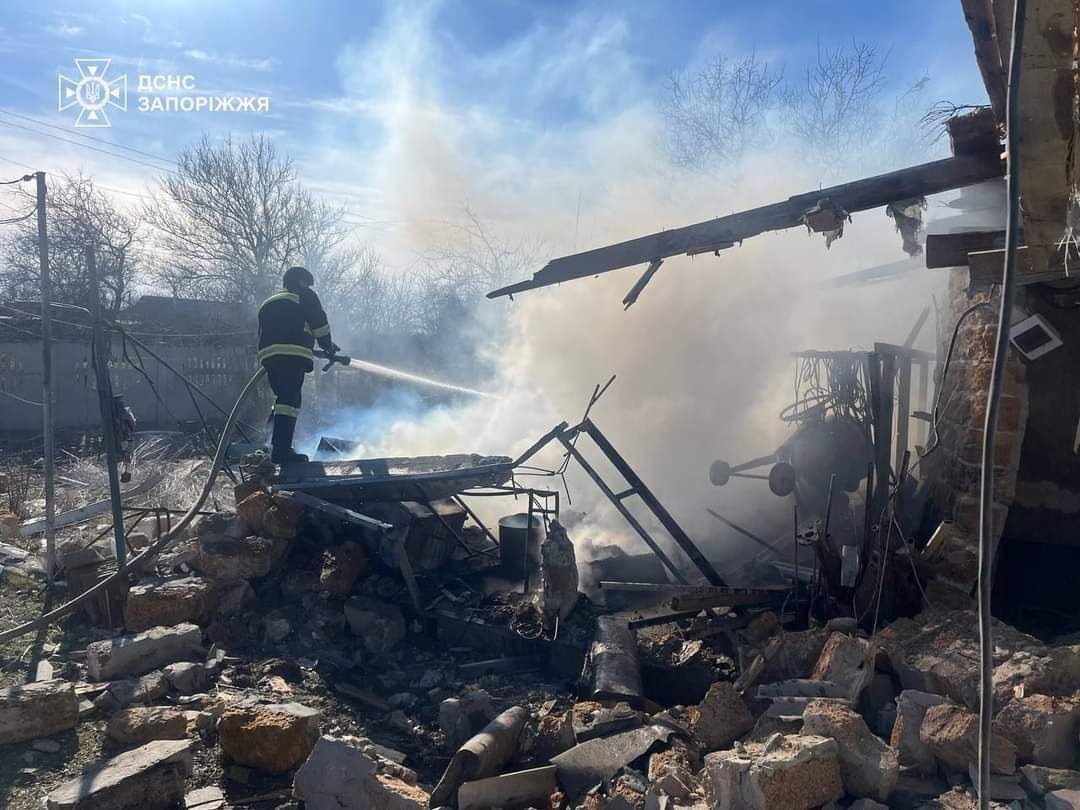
{"x": 993, "y": 402}
{"x": 161, "y": 543}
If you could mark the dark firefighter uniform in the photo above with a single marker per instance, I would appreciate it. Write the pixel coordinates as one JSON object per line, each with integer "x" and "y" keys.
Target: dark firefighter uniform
{"x": 290, "y": 322}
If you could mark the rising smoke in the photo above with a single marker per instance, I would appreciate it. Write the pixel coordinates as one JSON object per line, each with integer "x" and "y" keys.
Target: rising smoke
{"x": 703, "y": 360}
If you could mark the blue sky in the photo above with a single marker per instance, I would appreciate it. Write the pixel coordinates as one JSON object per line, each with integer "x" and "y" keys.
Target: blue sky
{"x": 448, "y": 100}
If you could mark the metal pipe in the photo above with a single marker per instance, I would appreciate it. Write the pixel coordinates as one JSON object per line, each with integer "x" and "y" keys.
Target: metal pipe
{"x": 627, "y": 515}
{"x": 993, "y": 402}
{"x": 46, "y": 379}
{"x": 105, "y": 401}
{"x": 742, "y": 531}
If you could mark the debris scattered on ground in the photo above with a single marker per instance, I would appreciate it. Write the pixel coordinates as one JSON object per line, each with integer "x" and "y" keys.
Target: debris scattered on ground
{"x": 277, "y": 654}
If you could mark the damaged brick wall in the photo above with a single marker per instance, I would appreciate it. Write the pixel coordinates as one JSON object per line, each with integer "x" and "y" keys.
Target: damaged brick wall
{"x": 960, "y": 430}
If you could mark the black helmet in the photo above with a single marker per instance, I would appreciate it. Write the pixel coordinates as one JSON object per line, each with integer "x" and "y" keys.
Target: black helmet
{"x": 296, "y": 277}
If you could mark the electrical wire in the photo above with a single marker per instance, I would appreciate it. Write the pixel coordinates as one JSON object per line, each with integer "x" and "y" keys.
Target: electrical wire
{"x": 993, "y": 401}
{"x": 20, "y": 399}
{"x": 935, "y": 438}
{"x": 131, "y": 149}
{"x": 86, "y": 146}
{"x": 23, "y": 218}
{"x": 161, "y": 543}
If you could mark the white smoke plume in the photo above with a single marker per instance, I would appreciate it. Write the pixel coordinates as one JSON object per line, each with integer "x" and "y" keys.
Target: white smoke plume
{"x": 703, "y": 360}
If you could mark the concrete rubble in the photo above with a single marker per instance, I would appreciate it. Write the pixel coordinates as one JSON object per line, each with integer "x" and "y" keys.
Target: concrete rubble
{"x": 285, "y": 654}
{"x": 37, "y": 710}
{"x": 151, "y": 776}
{"x": 142, "y": 652}
{"x": 274, "y": 738}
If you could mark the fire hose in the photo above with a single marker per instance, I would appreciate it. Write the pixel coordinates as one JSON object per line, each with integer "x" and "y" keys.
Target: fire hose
{"x": 162, "y": 542}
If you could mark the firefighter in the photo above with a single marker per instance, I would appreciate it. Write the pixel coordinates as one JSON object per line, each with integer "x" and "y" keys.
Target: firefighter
{"x": 290, "y": 322}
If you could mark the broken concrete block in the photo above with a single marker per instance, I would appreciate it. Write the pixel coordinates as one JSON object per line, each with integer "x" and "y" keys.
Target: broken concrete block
{"x": 1043, "y": 728}
{"x": 558, "y": 574}
{"x": 1002, "y": 788}
{"x": 277, "y": 628}
{"x": 252, "y": 511}
{"x": 868, "y": 767}
{"x": 591, "y": 719}
{"x": 282, "y": 518}
{"x": 380, "y": 625}
{"x": 230, "y": 558}
{"x": 911, "y": 708}
{"x": 462, "y": 717}
{"x": 142, "y": 724}
{"x": 150, "y": 777}
{"x": 1040, "y": 780}
{"x": 142, "y": 652}
{"x": 207, "y": 798}
{"x": 554, "y": 734}
{"x": 144, "y": 689}
{"x": 43, "y": 671}
{"x": 232, "y": 597}
{"x": 37, "y": 710}
{"x": 767, "y": 726}
{"x": 721, "y": 717}
{"x": 341, "y": 568}
{"x": 1063, "y": 800}
{"x": 166, "y": 603}
{"x": 951, "y": 733}
{"x": 340, "y": 776}
{"x": 796, "y": 772}
{"x": 273, "y": 739}
{"x": 797, "y": 656}
{"x": 938, "y": 652}
{"x": 671, "y": 773}
{"x": 845, "y": 660}
{"x": 188, "y": 677}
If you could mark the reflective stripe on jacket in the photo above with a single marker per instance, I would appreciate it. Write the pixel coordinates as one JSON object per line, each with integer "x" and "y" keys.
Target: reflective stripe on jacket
{"x": 289, "y": 324}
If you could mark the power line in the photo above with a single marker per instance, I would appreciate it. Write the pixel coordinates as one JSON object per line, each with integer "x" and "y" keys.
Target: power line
{"x": 13, "y": 220}
{"x": 17, "y": 163}
{"x": 88, "y": 137}
{"x": 85, "y": 146}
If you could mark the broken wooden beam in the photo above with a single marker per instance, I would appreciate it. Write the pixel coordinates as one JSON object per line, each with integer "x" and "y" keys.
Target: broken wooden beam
{"x": 861, "y": 195}
{"x": 985, "y": 268}
{"x": 952, "y": 249}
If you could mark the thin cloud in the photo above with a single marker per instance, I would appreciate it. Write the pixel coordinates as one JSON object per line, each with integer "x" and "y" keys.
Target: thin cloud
{"x": 64, "y": 29}
{"x": 227, "y": 60}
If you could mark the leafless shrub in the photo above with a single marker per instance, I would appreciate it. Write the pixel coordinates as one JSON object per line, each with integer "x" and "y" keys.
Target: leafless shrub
{"x": 836, "y": 108}
{"x": 714, "y": 115}
{"x": 78, "y": 216}
{"x": 16, "y": 482}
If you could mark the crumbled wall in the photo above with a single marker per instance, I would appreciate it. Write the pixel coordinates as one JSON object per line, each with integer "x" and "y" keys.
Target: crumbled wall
{"x": 960, "y": 427}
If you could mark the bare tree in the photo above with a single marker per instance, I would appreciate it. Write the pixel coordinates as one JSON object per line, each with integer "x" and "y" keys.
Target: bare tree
{"x": 472, "y": 260}
{"x": 836, "y": 110}
{"x": 230, "y": 217}
{"x": 79, "y": 216}
{"x": 714, "y": 115}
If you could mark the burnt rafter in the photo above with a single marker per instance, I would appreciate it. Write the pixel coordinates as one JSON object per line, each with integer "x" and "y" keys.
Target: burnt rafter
{"x": 723, "y": 232}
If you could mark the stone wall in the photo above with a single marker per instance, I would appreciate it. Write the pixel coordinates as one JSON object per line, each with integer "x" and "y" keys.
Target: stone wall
{"x": 960, "y": 430}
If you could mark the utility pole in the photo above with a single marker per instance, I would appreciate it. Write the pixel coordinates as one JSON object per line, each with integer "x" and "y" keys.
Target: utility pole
{"x": 105, "y": 400}
{"x": 46, "y": 381}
